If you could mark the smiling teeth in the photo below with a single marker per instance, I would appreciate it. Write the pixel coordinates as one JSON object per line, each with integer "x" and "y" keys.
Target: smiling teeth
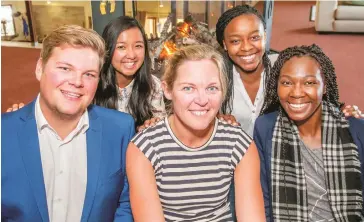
{"x": 248, "y": 57}
{"x": 69, "y": 94}
{"x": 297, "y": 106}
{"x": 129, "y": 64}
{"x": 199, "y": 113}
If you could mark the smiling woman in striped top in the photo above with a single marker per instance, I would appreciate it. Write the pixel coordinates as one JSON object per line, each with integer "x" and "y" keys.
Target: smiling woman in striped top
{"x": 181, "y": 168}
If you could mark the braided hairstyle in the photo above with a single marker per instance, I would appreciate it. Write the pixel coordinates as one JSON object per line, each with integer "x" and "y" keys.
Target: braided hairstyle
{"x": 271, "y": 99}
{"x": 221, "y": 24}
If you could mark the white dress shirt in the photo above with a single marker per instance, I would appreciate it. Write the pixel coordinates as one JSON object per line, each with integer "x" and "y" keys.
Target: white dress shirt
{"x": 244, "y": 110}
{"x": 64, "y": 164}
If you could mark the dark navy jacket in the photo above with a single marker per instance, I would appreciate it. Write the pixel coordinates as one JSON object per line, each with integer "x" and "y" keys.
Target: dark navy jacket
{"x": 263, "y": 133}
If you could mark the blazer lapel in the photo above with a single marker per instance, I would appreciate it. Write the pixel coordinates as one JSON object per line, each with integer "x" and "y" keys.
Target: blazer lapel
{"x": 29, "y": 145}
{"x": 93, "y": 138}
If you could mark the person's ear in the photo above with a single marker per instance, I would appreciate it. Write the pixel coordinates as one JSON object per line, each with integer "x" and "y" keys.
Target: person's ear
{"x": 223, "y": 42}
{"x": 39, "y": 69}
{"x": 166, "y": 91}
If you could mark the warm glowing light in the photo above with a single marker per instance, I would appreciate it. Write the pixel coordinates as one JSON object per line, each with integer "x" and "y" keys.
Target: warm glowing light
{"x": 183, "y": 29}
{"x": 48, "y": 2}
{"x": 168, "y": 49}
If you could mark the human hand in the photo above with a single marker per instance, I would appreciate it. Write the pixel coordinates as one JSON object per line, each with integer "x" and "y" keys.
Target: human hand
{"x": 15, "y": 107}
{"x": 148, "y": 123}
{"x": 352, "y": 111}
{"x": 230, "y": 119}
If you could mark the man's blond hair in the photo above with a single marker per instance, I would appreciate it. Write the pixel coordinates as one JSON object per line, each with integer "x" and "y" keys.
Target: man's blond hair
{"x": 75, "y": 36}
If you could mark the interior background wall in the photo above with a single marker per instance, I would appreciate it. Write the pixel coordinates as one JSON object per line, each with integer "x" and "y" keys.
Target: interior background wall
{"x": 48, "y": 18}
{"x": 86, "y": 5}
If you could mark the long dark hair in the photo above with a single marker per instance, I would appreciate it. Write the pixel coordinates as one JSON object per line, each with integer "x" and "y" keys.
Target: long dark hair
{"x": 271, "y": 99}
{"x": 221, "y": 24}
{"x": 107, "y": 91}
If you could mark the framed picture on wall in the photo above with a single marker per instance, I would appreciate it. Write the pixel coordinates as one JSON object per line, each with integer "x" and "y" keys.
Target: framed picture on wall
{"x": 7, "y": 21}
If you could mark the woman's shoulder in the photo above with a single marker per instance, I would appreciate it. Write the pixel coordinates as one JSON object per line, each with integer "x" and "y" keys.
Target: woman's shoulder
{"x": 226, "y": 127}
{"x": 266, "y": 120}
{"x": 232, "y": 133}
{"x": 150, "y": 133}
{"x": 356, "y": 126}
{"x": 264, "y": 126}
{"x": 355, "y": 122}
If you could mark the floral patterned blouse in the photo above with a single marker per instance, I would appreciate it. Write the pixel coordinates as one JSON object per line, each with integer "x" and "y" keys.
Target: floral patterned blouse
{"x": 156, "y": 98}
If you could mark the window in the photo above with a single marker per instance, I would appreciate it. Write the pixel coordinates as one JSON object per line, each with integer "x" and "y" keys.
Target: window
{"x": 152, "y": 15}
{"x": 197, "y": 9}
{"x": 7, "y": 21}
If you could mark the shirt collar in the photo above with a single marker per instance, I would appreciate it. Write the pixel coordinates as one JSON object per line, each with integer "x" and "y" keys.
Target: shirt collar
{"x": 236, "y": 73}
{"x": 82, "y": 126}
{"x": 125, "y": 92}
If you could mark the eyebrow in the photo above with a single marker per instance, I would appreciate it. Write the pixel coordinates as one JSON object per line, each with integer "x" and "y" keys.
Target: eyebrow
{"x": 189, "y": 83}
{"x": 92, "y": 70}
{"x": 67, "y": 64}
{"x": 125, "y": 42}
{"x": 64, "y": 63}
{"x": 288, "y": 76}
{"x": 235, "y": 34}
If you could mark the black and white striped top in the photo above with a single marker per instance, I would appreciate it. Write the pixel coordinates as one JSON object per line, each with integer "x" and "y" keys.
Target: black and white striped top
{"x": 193, "y": 183}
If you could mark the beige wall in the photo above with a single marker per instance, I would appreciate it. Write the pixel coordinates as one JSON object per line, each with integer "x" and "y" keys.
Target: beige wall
{"x": 47, "y": 18}
{"x": 86, "y": 4}
{"x": 152, "y": 8}
{"x": 50, "y": 16}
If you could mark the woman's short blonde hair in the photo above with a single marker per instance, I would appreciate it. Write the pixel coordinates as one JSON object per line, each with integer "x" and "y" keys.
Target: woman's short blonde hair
{"x": 75, "y": 36}
{"x": 195, "y": 53}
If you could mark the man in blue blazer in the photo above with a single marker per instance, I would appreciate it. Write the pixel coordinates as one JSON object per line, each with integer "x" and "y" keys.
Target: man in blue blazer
{"x": 62, "y": 158}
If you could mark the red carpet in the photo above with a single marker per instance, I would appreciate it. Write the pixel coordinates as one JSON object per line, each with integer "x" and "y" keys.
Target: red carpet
{"x": 291, "y": 26}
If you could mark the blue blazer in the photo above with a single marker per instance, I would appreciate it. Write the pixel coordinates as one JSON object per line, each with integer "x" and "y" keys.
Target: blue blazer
{"x": 263, "y": 134}
{"x": 23, "y": 196}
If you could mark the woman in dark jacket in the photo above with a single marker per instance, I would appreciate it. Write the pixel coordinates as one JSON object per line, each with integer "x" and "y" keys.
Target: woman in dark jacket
{"x": 311, "y": 155}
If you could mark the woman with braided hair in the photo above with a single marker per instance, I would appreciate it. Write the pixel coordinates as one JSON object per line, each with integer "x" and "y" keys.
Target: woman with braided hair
{"x": 311, "y": 155}
{"x": 241, "y": 32}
